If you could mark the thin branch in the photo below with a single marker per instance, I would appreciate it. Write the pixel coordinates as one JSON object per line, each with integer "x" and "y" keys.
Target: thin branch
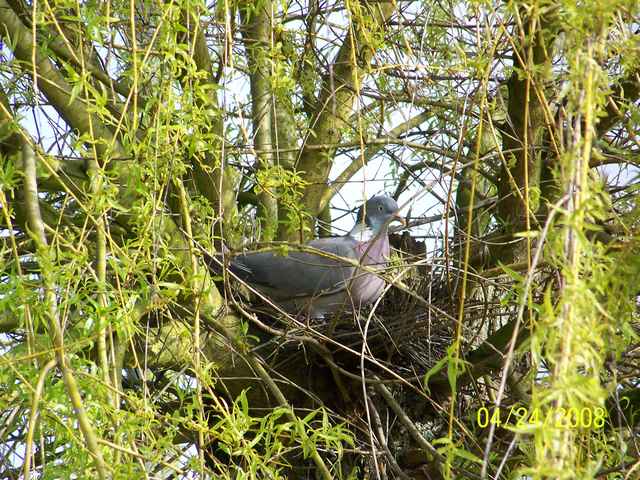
{"x": 627, "y": 90}
{"x": 42, "y": 251}
{"x": 339, "y": 88}
{"x": 371, "y": 150}
{"x": 53, "y": 84}
{"x": 409, "y": 424}
{"x": 33, "y": 416}
{"x": 256, "y": 365}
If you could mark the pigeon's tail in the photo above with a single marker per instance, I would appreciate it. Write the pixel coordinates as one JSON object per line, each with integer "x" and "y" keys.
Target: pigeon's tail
{"x": 217, "y": 264}
{"x": 240, "y": 270}
{"x": 214, "y": 262}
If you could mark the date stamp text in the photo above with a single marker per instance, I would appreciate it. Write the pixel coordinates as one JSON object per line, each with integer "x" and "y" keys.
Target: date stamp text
{"x": 523, "y": 417}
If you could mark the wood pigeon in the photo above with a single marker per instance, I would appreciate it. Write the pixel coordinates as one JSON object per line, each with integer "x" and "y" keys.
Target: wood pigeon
{"x": 317, "y": 283}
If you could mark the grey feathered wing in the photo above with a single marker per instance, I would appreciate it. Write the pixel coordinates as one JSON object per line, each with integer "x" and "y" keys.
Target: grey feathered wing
{"x": 300, "y": 274}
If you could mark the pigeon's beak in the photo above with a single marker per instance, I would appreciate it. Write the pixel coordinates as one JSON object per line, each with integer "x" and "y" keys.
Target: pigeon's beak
{"x": 399, "y": 218}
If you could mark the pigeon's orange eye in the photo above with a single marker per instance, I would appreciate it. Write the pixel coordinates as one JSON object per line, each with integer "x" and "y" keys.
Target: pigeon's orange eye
{"x": 379, "y": 208}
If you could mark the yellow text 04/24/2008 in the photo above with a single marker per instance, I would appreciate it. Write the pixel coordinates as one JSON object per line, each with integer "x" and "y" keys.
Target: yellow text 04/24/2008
{"x": 555, "y": 417}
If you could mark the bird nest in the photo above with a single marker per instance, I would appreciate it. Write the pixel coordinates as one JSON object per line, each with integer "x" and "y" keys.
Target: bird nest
{"x": 406, "y": 333}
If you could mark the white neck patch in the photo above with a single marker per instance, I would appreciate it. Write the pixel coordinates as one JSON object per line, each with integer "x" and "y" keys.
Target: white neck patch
{"x": 362, "y": 233}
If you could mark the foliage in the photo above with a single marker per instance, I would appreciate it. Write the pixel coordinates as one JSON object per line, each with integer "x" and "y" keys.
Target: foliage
{"x": 134, "y": 135}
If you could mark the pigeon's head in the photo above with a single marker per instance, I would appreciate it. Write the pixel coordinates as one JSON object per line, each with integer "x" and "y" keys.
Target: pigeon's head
{"x": 378, "y": 212}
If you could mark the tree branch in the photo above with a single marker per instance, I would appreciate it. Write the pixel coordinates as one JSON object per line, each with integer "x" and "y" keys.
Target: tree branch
{"x": 37, "y": 231}
{"x": 339, "y": 88}
{"x": 627, "y": 90}
{"x": 257, "y": 38}
{"x": 53, "y": 84}
{"x": 486, "y": 358}
{"x": 211, "y": 177}
{"x": 369, "y": 152}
